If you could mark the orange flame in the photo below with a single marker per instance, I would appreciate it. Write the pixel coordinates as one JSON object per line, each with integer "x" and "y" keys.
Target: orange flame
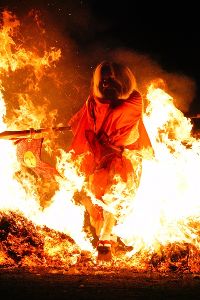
{"x": 166, "y": 205}
{"x": 167, "y": 199}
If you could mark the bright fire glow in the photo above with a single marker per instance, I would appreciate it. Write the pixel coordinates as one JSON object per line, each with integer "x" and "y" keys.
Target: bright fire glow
{"x": 167, "y": 202}
{"x": 167, "y": 199}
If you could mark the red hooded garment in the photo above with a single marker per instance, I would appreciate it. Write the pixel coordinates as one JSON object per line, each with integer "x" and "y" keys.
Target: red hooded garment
{"x": 102, "y": 131}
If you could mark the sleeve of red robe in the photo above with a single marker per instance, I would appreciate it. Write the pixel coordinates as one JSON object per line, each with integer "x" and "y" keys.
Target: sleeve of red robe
{"x": 79, "y": 123}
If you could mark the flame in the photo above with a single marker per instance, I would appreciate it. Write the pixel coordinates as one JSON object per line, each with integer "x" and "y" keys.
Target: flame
{"x": 162, "y": 209}
{"x": 21, "y": 195}
{"x": 167, "y": 199}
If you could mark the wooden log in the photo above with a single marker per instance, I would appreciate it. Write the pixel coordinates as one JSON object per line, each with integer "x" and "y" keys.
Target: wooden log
{"x": 29, "y": 133}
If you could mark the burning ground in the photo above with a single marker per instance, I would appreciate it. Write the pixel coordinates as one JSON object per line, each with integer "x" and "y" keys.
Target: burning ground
{"x": 42, "y": 222}
{"x": 26, "y": 245}
{"x": 39, "y": 263}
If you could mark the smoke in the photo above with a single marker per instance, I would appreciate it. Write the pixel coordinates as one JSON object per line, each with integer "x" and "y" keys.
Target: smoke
{"x": 181, "y": 87}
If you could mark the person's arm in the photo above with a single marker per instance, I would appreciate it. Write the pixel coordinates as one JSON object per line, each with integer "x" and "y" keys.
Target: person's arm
{"x": 74, "y": 121}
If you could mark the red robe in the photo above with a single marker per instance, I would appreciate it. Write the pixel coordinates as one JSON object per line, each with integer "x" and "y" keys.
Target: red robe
{"x": 103, "y": 132}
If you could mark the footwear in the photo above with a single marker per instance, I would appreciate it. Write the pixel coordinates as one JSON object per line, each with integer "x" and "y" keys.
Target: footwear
{"x": 104, "y": 249}
{"x": 121, "y": 247}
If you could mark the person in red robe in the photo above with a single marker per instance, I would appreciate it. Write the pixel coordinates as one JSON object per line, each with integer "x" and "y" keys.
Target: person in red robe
{"x": 109, "y": 122}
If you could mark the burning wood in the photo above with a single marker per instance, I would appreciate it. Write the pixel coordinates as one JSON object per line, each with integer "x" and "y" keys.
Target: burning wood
{"x": 27, "y": 245}
{"x": 24, "y": 244}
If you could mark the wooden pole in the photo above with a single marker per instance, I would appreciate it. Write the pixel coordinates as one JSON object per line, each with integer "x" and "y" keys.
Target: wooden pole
{"x": 194, "y": 116}
{"x": 29, "y": 133}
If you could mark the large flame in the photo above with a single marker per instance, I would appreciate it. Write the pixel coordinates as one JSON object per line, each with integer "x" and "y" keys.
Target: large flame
{"x": 166, "y": 207}
{"x": 62, "y": 212}
{"x": 167, "y": 199}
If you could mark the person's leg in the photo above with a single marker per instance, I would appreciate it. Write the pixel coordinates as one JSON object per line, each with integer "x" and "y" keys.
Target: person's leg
{"x": 100, "y": 184}
{"x": 108, "y": 224}
{"x": 95, "y": 212}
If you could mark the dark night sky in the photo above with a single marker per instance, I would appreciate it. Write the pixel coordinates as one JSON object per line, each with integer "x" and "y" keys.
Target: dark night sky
{"x": 168, "y": 35}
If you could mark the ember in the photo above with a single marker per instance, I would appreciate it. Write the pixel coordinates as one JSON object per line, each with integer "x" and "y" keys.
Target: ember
{"x": 42, "y": 223}
{"x": 27, "y": 245}
{"x": 24, "y": 244}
